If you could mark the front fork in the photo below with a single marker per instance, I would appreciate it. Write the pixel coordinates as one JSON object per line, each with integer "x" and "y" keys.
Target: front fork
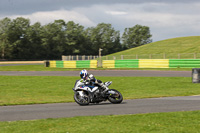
{"x": 81, "y": 93}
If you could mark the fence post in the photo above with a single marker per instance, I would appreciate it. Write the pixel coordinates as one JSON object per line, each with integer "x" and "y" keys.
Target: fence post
{"x": 100, "y": 61}
{"x": 164, "y": 56}
{"x": 195, "y": 56}
{"x": 122, "y": 57}
{"x": 179, "y": 56}
{"x": 136, "y": 56}
{"x": 150, "y": 56}
{"x": 63, "y": 57}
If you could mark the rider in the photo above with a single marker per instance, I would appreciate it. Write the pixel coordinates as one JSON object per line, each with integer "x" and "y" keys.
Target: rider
{"x": 90, "y": 79}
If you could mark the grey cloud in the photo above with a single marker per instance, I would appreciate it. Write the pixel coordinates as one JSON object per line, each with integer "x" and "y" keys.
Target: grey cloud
{"x": 175, "y": 12}
{"x": 28, "y": 6}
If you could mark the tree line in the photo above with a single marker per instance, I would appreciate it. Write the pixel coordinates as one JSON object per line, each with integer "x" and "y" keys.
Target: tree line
{"x": 23, "y": 41}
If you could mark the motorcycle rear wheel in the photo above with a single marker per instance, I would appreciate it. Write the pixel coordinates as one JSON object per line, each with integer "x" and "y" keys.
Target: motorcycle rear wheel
{"x": 81, "y": 100}
{"x": 115, "y": 98}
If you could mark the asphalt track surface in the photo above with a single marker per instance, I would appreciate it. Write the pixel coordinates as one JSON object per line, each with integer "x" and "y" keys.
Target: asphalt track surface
{"x": 111, "y": 73}
{"x": 136, "y": 106}
{"x": 60, "y": 110}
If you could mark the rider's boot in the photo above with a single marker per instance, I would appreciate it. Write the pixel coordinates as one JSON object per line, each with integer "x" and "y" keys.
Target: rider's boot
{"x": 104, "y": 88}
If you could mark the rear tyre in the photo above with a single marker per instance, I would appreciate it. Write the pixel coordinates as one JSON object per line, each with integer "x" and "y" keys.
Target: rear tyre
{"x": 115, "y": 98}
{"x": 81, "y": 100}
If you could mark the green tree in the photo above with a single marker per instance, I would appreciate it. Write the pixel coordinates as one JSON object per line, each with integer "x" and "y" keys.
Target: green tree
{"x": 33, "y": 36}
{"x": 20, "y": 40}
{"x": 53, "y": 39}
{"x": 74, "y": 34}
{"x": 104, "y": 36}
{"x": 18, "y": 37}
{"x": 60, "y": 38}
{"x": 136, "y": 36}
{"x": 5, "y": 46}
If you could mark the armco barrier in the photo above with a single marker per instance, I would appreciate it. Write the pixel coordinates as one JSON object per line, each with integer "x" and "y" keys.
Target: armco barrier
{"x": 152, "y": 63}
{"x": 184, "y": 63}
{"x": 52, "y": 63}
{"x": 127, "y": 63}
{"x": 59, "y": 64}
{"x": 135, "y": 63}
{"x": 69, "y": 64}
{"x": 83, "y": 64}
{"x": 74, "y": 64}
{"x": 93, "y": 63}
{"x": 108, "y": 63}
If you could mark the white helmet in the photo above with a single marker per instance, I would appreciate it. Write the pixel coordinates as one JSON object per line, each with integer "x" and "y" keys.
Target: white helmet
{"x": 83, "y": 74}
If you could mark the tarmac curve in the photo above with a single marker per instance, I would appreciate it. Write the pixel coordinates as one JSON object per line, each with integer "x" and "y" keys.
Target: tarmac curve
{"x": 136, "y": 106}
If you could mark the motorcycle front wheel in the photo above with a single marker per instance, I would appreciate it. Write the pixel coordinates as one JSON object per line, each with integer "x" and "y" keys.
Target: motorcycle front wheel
{"x": 115, "y": 98}
{"x": 81, "y": 100}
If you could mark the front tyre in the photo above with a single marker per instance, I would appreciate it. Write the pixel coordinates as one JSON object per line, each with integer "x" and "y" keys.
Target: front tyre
{"x": 115, "y": 98}
{"x": 81, "y": 100}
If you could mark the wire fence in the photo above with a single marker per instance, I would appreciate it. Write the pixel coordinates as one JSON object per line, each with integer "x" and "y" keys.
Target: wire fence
{"x": 79, "y": 57}
{"x": 134, "y": 56}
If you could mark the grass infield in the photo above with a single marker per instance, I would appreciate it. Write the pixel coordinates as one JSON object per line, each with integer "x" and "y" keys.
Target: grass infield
{"x": 173, "y": 122}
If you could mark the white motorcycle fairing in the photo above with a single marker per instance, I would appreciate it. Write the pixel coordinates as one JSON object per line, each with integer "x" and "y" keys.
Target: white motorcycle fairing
{"x": 86, "y": 93}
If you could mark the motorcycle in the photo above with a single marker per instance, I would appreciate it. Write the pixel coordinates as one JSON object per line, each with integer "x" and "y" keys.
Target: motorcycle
{"x": 85, "y": 94}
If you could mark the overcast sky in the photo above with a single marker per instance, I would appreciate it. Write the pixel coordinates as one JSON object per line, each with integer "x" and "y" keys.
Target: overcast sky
{"x": 166, "y": 18}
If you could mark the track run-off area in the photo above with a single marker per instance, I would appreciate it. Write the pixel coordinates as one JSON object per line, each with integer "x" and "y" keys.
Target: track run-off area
{"x": 135, "y": 106}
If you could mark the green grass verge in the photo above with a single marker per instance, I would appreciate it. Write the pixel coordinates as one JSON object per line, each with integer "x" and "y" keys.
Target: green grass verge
{"x": 54, "y": 89}
{"x": 174, "y": 122}
{"x": 42, "y": 68}
{"x": 30, "y": 68}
